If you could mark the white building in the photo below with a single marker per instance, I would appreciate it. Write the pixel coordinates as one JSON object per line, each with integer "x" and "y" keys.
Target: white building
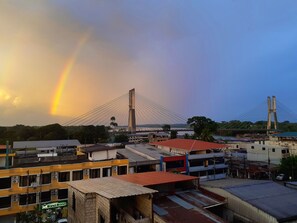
{"x": 263, "y": 152}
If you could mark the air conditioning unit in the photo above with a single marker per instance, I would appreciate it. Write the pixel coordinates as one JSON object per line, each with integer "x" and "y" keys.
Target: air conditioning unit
{"x": 55, "y": 175}
{"x": 86, "y": 172}
{"x": 15, "y": 198}
{"x": 54, "y": 192}
{"x": 15, "y": 179}
{"x": 34, "y": 184}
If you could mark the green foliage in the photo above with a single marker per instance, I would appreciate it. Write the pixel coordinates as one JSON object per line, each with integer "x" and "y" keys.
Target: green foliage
{"x": 288, "y": 166}
{"x": 121, "y": 138}
{"x": 166, "y": 128}
{"x": 173, "y": 134}
{"x": 203, "y": 127}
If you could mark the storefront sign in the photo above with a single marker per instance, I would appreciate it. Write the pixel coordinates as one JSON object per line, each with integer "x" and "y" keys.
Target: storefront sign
{"x": 57, "y": 204}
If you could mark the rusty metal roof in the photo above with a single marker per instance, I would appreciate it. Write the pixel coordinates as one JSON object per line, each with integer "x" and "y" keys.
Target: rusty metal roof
{"x": 155, "y": 178}
{"x": 189, "y": 144}
{"x": 176, "y": 209}
{"x": 110, "y": 187}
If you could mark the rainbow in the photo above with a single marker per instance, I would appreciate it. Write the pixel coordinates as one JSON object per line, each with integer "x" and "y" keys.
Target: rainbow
{"x": 65, "y": 73}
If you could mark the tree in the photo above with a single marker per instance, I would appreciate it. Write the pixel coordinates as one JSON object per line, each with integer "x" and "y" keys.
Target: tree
{"x": 173, "y": 134}
{"x": 113, "y": 123}
{"x": 203, "y": 127}
{"x": 288, "y": 166}
{"x": 166, "y": 128}
{"x": 121, "y": 138}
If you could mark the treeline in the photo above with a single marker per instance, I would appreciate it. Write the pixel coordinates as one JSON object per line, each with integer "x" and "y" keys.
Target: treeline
{"x": 85, "y": 134}
{"x": 285, "y": 126}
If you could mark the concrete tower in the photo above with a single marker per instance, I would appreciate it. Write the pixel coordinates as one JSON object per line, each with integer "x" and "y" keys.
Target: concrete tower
{"x": 271, "y": 110}
{"x": 132, "y": 119}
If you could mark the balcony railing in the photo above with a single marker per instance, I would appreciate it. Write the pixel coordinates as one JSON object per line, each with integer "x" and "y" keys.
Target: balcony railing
{"x": 205, "y": 156}
{"x": 209, "y": 167}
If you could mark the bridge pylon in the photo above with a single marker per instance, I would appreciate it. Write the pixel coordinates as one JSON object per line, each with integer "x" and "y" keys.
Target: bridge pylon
{"x": 132, "y": 118}
{"x": 271, "y": 111}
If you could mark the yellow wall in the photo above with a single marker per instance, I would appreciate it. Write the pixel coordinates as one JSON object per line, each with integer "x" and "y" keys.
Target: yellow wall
{"x": 15, "y": 189}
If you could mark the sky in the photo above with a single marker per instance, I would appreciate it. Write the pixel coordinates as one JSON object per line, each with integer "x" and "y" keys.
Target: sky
{"x": 220, "y": 59}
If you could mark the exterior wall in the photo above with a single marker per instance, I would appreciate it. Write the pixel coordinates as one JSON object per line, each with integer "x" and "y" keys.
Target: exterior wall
{"x": 255, "y": 152}
{"x": 145, "y": 205}
{"x": 243, "y": 208}
{"x": 15, "y": 173}
{"x": 85, "y": 207}
{"x": 103, "y": 155}
{"x": 290, "y": 144}
{"x": 103, "y": 209}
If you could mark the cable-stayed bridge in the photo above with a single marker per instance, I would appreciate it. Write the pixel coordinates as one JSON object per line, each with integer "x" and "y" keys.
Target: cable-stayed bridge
{"x": 136, "y": 111}
{"x": 147, "y": 114}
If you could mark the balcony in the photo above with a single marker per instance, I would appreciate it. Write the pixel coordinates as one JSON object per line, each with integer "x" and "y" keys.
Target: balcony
{"x": 209, "y": 167}
{"x": 205, "y": 156}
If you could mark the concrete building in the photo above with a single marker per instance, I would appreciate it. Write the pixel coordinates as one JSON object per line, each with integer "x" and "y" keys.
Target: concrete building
{"x": 256, "y": 201}
{"x": 263, "y": 152}
{"x": 179, "y": 198}
{"x": 144, "y": 158}
{"x": 41, "y": 181}
{"x": 109, "y": 200}
{"x": 285, "y": 139}
{"x": 203, "y": 159}
{"x": 158, "y": 197}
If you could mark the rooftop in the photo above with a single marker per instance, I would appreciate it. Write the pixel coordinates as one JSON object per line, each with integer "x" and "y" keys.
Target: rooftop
{"x": 148, "y": 151}
{"x": 96, "y": 148}
{"x": 45, "y": 143}
{"x": 135, "y": 158}
{"x": 155, "y": 178}
{"x": 178, "y": 208}
{"x": 287, "y": 134}
{"x": 189, "y": 144}
{"x": 270, "y": 197}
{"x": 110, "y": 187}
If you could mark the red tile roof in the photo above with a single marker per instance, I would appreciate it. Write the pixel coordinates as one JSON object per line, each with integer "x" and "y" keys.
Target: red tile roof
{"x": 189, "y": 144}
{"x": 155, "y": 178}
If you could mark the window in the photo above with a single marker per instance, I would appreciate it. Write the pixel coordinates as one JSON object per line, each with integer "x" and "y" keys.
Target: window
{"x": 73, "y": 202}
{"x": 45, "y": 196}
{"x": 252, "y": 147}
{"x": 27, "y": 180}
{"x": 5, "y": 183}
{"x": 236, "y": 146}
{"x": 107, "y": 172}
{"x": 5, "y": 202}
{"x": 64, "y": 176}
{"x": 62, "y": 194}
{"x": 273, "y": 150}
{"x": 27, "y": 199}
{"x": 283, "y": 151}
{"x": 77, "y": 175}
{"x": 263, "y": 148}
{"x": 196, "y": 162}
{"x": 46, "y": 178}
{"x": 95, "y": 173}
{"x": 122, "y": 170}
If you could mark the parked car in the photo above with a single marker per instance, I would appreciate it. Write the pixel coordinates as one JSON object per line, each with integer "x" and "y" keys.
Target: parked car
{"x": 281, "y": 177}
{"x": 63, "y": 220}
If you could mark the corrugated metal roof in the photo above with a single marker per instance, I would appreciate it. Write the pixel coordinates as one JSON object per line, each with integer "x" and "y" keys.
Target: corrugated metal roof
{"x": 132, "y": 156}
{"x": 172, "y": 211}
{"x": 148, "y": 151}
{"x": 110, "y": 187}
{"x": 272, "y": 198}
{"x": 189, "y": 144}
{"x": 45, "y": 143}
{"x": 155, "y": 178}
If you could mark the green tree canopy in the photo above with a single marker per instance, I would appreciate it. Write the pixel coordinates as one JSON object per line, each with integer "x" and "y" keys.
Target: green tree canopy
{"x": 288, "y": 166}
{"x": 203, "y": 127}
{"x": 166, "y": 128}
